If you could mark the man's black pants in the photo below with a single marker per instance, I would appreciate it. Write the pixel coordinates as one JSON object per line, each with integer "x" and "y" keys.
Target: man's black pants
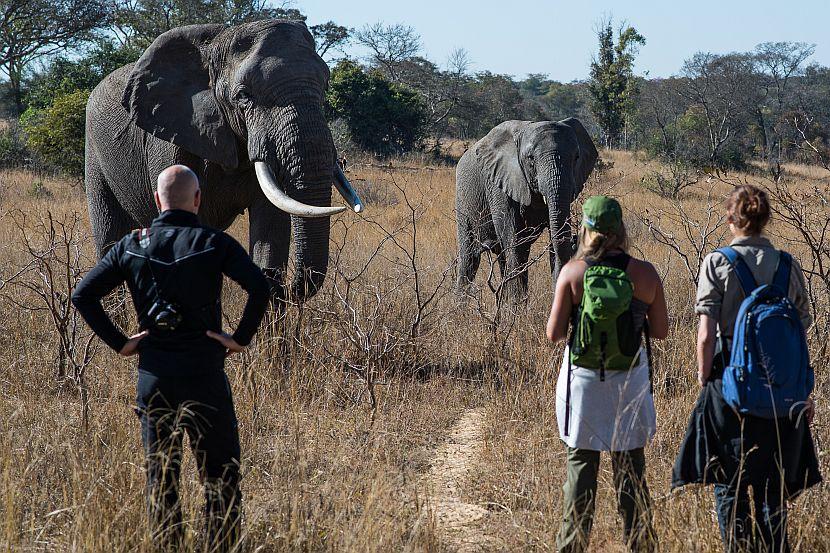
{"x": 201, "y": 407}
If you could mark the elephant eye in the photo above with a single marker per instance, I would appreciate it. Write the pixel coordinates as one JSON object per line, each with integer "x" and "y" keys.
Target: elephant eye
{"x": 243, "y": 98}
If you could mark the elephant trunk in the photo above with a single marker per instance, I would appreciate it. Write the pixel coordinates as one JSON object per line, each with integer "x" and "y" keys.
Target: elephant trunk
{"x": 560, "y": 193}
{"x": 303, "y": 160}
{"x": 296, "y": 143}
{"x": 311, "y": 241}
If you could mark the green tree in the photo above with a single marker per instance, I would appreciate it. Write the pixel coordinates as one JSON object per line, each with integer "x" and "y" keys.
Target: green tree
{"x": 64, "y": 75}
{"x": 491, "y": 99}
{"x": 724, "y": 90}
{"x": 440, "y": 91}
{"x": 56, "y": 134}
{"x": 13, "y": 152}
{"x": 563, "y": 100}
{"x": 139, "y": 22}
{"x": 778, "y": 65}
{"x": 33, "y": 29}
{"x": 330, "y": 36}
{"x": 536, "y": 84}
{"x": 383, "y": 117}
{"x": 612, "y": 86}
{"x": 56, "y": 98}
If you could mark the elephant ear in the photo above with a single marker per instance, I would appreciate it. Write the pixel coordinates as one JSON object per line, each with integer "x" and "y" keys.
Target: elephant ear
{"x": 169, "y": 95}
{"x": 588, "y": 154}
{"x": 499, "y": 155}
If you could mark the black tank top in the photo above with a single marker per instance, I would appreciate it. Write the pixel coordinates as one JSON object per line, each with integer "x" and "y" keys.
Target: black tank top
{"x": 615, "y": 260}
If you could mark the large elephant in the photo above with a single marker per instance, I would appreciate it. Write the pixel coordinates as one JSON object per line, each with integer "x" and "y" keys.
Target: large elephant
{"x": 243, "y": 107}
{"x": 512, "y": 184}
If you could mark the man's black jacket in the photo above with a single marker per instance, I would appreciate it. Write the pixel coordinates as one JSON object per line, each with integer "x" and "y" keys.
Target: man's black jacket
{"x": 186, "y": 261}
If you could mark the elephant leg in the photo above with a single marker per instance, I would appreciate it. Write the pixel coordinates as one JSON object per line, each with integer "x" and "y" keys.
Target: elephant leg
{"x": 522, "y": 257}
{"x": 530, "y": 232}
{"x": 270, "y": 236}
{"x": 514, "y": 255}
{"x": 469, "y": 254}
{"x": 109, "y": 221}
{"x": 514, "y": 269}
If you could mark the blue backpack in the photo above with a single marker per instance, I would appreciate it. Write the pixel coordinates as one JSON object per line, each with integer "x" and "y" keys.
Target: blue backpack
{"x": 769, "y": 370}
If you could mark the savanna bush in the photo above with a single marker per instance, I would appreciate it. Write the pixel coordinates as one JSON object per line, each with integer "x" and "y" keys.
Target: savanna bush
{"x": 55, "y": 134}
{"x": 64, "y": 75}
{"x": 383, "y": 117}
{"x": 13, "y": 152}
{"x": 684, "y": 144}
{"x": 672, "y": 177}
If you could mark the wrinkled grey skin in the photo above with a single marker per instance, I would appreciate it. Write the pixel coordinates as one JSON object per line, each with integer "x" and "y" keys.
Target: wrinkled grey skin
{"x": 512, "y": 184}
{"x": 217, "y": 99}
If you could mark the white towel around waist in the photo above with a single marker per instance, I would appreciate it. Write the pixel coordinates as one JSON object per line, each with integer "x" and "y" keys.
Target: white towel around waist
{"x": 616, "y": 414}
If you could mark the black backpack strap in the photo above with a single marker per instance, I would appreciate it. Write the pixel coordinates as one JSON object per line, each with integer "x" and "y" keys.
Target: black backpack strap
{"x": 570, "y": 370}
{"x": 745, "y": 278}
{"x": 781, "y": 280}
{"x": 144, "y": 242}
{"x": 142, "y": 236}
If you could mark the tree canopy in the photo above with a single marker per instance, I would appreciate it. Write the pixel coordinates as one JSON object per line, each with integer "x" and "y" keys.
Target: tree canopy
{"x": 33, "y": 29}
{"x": 139, "y": 22}
{"x": 383, "y": 117}
{"x": 719, "y": 110}
{"x": 612, "y": 86}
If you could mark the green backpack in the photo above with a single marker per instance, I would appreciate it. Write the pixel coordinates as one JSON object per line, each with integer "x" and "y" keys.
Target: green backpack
{"x": 604, "y": 336}
{"x": 602, "y": 331}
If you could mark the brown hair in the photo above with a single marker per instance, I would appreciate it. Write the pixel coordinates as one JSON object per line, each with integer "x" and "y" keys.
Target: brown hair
{"x": 594, "y": 245}
{"x": 748, "y": 209}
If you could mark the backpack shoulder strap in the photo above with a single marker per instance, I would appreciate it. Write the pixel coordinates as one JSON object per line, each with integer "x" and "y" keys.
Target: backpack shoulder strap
{"x": 649, "y": 358}
{"x": 781, "y": 280}
{"x": 574, "y": 315}
{"x": 741, "y": 268}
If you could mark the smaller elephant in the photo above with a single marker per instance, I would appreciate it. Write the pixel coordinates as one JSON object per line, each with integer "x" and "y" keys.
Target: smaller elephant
{"x": 517, "y": 180}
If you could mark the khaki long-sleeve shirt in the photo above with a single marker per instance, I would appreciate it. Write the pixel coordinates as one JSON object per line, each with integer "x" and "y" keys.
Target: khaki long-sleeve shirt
{"x": 719, "y": 293}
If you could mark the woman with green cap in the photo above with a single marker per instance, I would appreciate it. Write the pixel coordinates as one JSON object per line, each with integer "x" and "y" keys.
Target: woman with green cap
{"x": 609, "y": 300}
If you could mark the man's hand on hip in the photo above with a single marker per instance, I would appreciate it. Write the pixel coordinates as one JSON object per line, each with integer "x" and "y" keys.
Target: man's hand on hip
{"x": 226, "y": 340}
{"x": 131, "y": 347}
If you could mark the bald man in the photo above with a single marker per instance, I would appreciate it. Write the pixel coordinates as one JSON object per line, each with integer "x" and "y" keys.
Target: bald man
{"x": 174, "y": 273}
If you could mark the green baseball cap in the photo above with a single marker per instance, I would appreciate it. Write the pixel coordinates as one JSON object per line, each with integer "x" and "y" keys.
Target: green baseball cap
{"x": 602, "y": 214}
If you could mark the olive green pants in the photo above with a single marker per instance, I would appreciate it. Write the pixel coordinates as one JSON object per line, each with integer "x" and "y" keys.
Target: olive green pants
{"x": 633, "y": 501}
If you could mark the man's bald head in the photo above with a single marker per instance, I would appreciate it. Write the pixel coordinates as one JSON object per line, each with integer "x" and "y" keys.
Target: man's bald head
{"x": 178, "y": 188}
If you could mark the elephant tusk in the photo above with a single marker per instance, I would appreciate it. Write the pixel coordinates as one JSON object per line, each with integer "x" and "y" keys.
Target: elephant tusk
{"x": 283, "y": 201}
{"x": 346, "y": 190}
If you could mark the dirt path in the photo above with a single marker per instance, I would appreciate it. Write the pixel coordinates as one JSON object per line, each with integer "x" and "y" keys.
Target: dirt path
{"x": 458, "y": 522}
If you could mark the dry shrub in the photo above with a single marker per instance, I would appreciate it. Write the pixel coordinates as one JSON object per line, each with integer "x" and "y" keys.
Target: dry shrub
{"x": 340, "y": 414}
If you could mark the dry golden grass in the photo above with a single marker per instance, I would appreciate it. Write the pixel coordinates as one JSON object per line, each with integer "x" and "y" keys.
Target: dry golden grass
{"x": 322, "y": 471}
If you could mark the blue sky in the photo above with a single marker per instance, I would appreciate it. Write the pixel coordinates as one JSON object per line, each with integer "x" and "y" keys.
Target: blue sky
{"x": 557, "y": 37}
